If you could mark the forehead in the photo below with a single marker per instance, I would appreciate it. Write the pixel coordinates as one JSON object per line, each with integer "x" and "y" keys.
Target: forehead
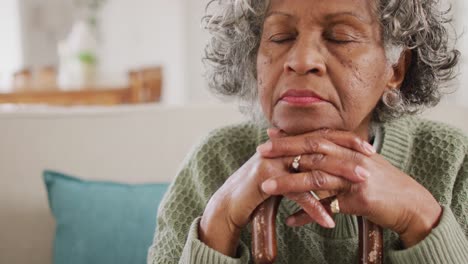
{"x": 364, "y": 10}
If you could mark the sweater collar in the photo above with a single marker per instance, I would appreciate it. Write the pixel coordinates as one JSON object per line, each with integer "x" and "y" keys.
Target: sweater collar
{"x": 397, "y": 142}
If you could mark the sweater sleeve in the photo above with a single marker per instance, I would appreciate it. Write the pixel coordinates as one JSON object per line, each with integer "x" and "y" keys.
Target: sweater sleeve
{"x": 176, "y": 237}
{"x": 460, "y": 197}
{"x": 196, "y": 251}
{"x": 448, "y": 242}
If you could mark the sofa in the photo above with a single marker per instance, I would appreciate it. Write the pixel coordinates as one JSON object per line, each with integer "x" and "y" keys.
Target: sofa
{"x": 126, "y": 144}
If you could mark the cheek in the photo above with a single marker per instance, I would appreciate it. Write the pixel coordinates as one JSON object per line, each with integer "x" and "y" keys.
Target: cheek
{"x": 364, "y": 82}
{"x": 265, "y": 81}
{"x": 263, "y": 65}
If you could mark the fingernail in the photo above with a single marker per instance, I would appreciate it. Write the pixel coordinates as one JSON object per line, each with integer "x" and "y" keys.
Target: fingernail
{"x": 329, "y": 221}
{"x": 361, "y": 172}
{"x": 269, "y": 186}
{"x": 368, "y": 147}
{"x": 265, "y": 147}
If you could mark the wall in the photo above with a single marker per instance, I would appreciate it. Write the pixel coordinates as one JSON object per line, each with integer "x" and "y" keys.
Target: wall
{"x": 133, "y": 34}
{"x": 460, "y": 8}
{"x": 43, "y": 24}
{"x": 196, "y": 88}
{"x": 10, "y": 46}
{"x": 146, "y": 32}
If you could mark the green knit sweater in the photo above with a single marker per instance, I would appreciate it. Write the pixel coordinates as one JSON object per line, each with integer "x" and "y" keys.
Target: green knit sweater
{"x": 434, "y": 154}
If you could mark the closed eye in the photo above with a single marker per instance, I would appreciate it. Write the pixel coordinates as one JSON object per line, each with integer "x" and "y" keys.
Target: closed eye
{"x": 340, "y": 38}
{"x": 341, "y": 34}
{"x": 282, "y": 38}
{"x": 339, "y": 41}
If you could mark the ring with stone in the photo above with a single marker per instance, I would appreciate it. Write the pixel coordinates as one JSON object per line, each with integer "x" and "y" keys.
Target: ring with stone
{"x": 295, "y": 164}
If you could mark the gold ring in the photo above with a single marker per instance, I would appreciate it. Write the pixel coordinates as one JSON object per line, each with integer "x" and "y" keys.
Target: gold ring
{"x": 335, "y": 206}
{"x": 295, "y": 164}
{"x": 315, "y": 195}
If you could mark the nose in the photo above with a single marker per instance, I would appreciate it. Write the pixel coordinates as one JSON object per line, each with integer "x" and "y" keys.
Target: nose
{"x": 305, "y": 57}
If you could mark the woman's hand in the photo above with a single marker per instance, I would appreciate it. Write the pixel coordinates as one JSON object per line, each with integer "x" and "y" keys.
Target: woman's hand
{"x": 230, "y": 208}
{"x": 388, "y": 197}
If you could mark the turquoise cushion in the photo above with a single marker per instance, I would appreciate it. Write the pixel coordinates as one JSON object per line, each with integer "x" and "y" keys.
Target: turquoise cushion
{"x": 102, "y": 222}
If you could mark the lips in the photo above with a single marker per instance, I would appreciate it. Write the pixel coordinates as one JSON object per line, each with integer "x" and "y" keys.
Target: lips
{"x": 300, "y": 97}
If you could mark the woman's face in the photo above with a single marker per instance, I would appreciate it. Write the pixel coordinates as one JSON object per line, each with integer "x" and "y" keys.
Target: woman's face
{"x": 321, "y": 64}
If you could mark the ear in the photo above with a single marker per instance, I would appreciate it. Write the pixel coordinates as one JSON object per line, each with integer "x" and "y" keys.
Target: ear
{"x": 398, "y": 71}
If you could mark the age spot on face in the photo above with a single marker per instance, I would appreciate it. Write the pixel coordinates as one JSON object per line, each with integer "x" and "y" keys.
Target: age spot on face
{"x": 268, "y": 58}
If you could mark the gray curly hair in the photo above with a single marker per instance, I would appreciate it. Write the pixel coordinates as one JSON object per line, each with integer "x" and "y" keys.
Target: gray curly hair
{"x": 417, "y": 25}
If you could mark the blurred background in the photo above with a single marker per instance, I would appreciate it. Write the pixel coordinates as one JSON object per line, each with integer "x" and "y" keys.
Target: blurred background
{"x": 41, "y": 39}
{"x": 114, "y": 36}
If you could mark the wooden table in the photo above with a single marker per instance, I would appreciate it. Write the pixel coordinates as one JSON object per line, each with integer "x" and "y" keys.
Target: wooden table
{"x": 56, "y": 97}
{"x": 144, "y": 86}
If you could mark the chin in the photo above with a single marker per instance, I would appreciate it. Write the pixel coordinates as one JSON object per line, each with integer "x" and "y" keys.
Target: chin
{"x": 296, "y": 120}
{"x": 293, "y": 129}
{"x": 301, "y": 124}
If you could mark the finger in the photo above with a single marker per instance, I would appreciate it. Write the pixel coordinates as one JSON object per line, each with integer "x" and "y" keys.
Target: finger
{"x": 311, "y": 143}
{"x": 275, "y": 133}
{"x": 313, "y": 208}
{"x": 315, "y": 180}
{"x": 353, "y": 204}
{"x": 343, "y": 163}
{"x": 300, "y": 218}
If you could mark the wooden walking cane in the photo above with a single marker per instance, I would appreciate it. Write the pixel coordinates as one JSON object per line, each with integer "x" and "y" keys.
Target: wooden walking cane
{"x": 264, "y": 247}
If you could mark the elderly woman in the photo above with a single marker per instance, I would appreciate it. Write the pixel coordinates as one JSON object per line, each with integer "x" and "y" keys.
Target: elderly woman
{"x": 330, "y": 86}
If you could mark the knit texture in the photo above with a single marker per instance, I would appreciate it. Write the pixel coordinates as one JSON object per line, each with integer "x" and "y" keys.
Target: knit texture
{"x": 434, "y": 154}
